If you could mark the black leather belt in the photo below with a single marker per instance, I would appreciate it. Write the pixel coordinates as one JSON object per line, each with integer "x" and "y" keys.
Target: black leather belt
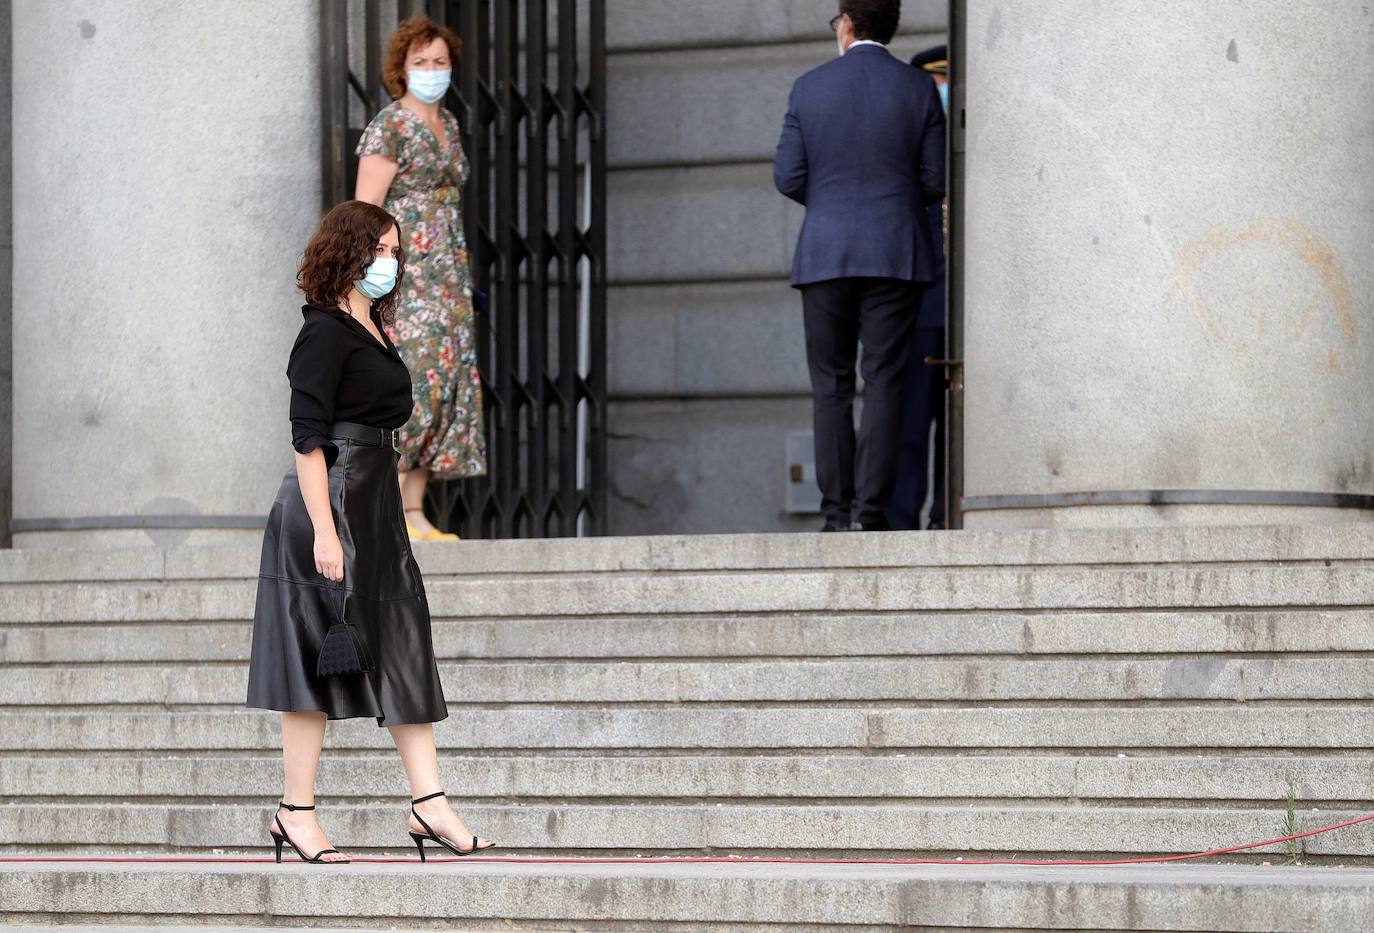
{"x": 367, "y": 434}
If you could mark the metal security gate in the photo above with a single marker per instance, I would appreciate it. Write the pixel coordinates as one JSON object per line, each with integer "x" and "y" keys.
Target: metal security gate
{"x": 531, "y": 101}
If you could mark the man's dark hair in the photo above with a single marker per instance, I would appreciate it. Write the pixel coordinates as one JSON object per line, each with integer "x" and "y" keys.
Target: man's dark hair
{"x": 873, "y": 19}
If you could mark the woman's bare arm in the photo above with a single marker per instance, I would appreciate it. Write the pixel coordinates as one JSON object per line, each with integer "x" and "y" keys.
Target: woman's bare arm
{"x": 375, "y": 174}
{"x": 313, "y": 476}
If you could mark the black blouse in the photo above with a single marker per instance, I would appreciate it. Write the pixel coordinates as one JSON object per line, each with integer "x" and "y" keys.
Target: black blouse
{"x": 339, "y": 372}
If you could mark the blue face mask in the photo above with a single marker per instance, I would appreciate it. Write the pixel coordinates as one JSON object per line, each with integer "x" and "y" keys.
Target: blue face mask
{"x": 944, "y": 96}
{"x": 379, "y": 278}
{"x": 428, "y": 86}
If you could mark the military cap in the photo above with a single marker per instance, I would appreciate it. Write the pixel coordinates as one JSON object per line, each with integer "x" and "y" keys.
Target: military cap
{"x": 935, "y": 59}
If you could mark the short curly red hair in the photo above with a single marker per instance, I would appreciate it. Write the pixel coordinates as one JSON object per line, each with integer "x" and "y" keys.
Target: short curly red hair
{"x": 418, "y": 30}
{"x": 340, "y": 252}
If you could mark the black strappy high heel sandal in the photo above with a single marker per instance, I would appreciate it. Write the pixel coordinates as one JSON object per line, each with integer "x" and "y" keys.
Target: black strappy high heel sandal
{"x": 432, "y": 836}
{"x": 318, "y": 857}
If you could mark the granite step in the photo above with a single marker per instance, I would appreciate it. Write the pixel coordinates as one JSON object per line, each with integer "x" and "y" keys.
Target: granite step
{"x": 739, "y": 777}
{"x": 736, "y": 897}
{"x": 747, "y": 591}
{"x": 717, "y": 827}
{"x": 163, "y": 927}
{"x": 971, "y": 680}
{"x": 757, "y": 635}
{"x": 1276, "y": 729}
{"x": 1322, "y": 544}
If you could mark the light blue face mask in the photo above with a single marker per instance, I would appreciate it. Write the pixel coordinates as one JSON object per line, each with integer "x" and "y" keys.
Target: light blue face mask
{"x": 944, "y": 96}
{"x": 428, "y": 86}
{"x": 379, "y": 278}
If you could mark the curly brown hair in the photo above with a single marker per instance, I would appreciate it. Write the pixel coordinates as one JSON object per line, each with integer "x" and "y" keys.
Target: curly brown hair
{"x": 418, "y": 30}
{"x": 339, "y": 253}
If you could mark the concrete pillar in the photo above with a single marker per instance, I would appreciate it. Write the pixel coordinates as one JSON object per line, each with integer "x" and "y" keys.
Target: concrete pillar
{"x": 166, "y": 177}
{"x": 1170, "y": 264}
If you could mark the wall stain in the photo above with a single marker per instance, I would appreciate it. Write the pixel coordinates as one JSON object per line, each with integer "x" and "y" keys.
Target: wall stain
{"x": 1293, "y": 235}
{"x": 1193, "y": 679}
{"x": 166, "y": 538}
{"x": 1054, "y": 461}
{"x": 1356, "y": 477}
{"x": 994, "y": 30}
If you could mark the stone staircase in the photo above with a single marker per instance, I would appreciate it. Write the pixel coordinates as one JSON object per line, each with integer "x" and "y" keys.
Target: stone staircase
{"x": 1057, "y": 694}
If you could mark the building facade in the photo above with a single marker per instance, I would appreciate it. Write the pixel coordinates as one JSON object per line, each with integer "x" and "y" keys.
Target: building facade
{"x": 1167, "y": 268}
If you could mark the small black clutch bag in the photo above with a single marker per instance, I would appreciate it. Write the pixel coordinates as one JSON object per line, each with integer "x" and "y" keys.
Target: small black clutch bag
{"x": 343, "y": 653}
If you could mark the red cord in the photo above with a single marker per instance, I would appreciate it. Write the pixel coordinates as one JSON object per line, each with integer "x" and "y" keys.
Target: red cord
{"x": 696, "y": 860}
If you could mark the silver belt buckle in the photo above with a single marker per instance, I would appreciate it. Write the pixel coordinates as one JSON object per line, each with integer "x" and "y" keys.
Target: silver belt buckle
{"x": 394, "y": 437}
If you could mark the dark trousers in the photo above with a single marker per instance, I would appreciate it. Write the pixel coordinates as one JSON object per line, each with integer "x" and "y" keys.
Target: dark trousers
{"x": 923, "y": 402}
{"x": 856, "y": 481}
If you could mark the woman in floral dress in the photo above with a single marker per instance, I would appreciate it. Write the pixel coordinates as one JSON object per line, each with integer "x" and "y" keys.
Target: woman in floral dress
{"x": 412, "y": 164}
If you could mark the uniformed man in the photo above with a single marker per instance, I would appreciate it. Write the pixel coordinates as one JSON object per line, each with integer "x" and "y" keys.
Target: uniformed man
{"x": 924, "y": 389}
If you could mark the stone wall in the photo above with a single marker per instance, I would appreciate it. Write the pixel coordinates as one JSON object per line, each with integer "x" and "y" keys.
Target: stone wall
{"x": 707, "y": 365}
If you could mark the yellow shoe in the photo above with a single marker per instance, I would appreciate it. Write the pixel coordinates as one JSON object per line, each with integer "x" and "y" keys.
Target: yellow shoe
{"x": 434, "y": 534}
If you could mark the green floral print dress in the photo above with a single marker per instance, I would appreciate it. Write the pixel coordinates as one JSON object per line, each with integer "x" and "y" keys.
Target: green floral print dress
{"x": 434, "y": 325}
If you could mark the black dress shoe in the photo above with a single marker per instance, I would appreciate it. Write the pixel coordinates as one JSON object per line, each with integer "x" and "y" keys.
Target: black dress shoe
{"x": 879, "y": 524}
{"x": 831, "y": 527}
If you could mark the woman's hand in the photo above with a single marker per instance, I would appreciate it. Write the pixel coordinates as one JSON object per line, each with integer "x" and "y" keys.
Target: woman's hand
{"x": 329, "y": 556}
{"x": 314, "y": 481}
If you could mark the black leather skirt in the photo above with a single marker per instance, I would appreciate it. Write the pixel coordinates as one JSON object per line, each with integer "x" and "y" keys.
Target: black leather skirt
{"x": 382, "y": 596}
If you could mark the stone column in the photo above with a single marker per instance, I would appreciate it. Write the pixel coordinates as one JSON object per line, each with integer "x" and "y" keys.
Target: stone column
{"x": 1170, "y": 263}
{"x": 166, "y": 177}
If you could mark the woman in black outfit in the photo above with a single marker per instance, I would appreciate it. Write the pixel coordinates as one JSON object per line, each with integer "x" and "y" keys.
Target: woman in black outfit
{"x": 341, "y": 627}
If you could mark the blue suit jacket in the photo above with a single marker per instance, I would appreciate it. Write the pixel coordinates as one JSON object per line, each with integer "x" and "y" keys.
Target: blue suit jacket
{"x": 863, "y": 147}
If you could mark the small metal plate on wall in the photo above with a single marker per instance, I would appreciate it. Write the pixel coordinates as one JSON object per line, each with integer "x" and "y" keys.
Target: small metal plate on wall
{"x": 803, "y": 495}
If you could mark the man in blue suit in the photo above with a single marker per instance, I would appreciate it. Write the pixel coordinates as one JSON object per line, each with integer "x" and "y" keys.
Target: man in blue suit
{"x": 863, "y": 148}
